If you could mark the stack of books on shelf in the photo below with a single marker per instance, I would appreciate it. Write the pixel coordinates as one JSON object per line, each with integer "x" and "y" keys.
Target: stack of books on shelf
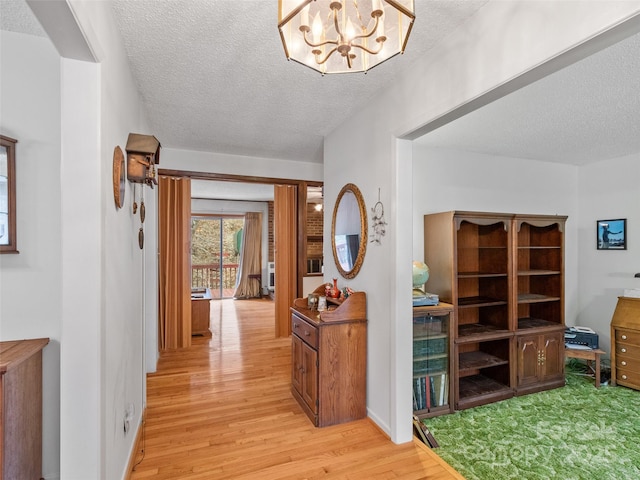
{"x": 422, "y": 299}
{"x": 430, "y": 391}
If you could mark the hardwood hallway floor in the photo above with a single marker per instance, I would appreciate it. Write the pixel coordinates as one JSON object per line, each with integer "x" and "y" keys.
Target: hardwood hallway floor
{"x": 223, "y": 410}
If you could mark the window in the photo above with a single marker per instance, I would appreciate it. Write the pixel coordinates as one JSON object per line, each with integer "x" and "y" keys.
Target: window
{"x": 8, "y": 195}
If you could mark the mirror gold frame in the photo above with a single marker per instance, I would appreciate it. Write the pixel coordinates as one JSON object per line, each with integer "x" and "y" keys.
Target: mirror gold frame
{"x": 342, "y": 254}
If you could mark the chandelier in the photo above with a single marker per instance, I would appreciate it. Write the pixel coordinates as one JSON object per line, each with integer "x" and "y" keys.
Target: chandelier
{"x": 344, "y": 36}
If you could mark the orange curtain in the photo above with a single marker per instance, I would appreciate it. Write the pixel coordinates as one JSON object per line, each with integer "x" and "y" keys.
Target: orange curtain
{"x": 285, "y": 229}
{"x": 251, "y": 257}
{"x": 174, "y": 221}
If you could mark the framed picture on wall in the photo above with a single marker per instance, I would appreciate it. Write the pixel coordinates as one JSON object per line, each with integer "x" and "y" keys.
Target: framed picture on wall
{"x": 612, "y": 234}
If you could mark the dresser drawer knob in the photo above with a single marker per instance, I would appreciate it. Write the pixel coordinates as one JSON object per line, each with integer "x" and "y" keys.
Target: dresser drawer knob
{"x": 307, "y": 333}
{"x": 624, "y": 377}
{"x": 295, "y": 325}
{"x": 623, "y": 350}
{"x": 623, "y": 363}
{"x": 624, "y": 337}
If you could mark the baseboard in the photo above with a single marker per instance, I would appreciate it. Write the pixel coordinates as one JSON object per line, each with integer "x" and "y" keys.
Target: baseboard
{"x": 384, "y": 428}
{"x": 137, "y": 447}
{"x": 379, "y": 428}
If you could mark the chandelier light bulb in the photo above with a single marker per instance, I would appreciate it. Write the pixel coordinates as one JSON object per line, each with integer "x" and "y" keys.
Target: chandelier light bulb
{"x": 317, "y": 29}
{"x": 380, "y": 31}
{"x": 350, "y": 32}
{"x": 304, "y": 16}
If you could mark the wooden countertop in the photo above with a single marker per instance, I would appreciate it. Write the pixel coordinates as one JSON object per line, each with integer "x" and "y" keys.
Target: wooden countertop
{"x": 352, "y": 309}
{"x": 13, "y": 352}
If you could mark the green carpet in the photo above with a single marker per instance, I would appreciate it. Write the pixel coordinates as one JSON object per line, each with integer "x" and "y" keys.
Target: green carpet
{"x": 570, "y": 433}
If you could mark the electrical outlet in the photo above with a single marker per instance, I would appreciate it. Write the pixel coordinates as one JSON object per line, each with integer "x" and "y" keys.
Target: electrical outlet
{"x": 129, "y": 412}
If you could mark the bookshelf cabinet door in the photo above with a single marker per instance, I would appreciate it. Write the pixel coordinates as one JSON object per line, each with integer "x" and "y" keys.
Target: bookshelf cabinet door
{"x": 529, "y": 359}
{"x": 296, "y": 363}
{"x": 310, "y": 377}
{"x": 432, "y": 360}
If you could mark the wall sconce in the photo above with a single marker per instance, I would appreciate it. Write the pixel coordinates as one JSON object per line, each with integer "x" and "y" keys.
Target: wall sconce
{"x": 143, "y": 153}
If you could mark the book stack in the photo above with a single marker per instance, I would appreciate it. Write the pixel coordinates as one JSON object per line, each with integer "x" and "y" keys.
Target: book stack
{"x": 420, "y": 300}
{"x": 430, "y": 391}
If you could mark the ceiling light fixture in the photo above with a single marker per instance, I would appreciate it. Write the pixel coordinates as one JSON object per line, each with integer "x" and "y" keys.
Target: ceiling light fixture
{"x": 344, "y": 36}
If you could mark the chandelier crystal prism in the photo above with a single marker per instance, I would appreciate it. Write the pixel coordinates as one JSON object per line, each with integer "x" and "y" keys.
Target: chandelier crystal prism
{"x": 344, "y": 36}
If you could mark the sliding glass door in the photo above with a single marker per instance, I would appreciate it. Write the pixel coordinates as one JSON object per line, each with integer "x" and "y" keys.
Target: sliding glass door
{"x": 215, "y": 253}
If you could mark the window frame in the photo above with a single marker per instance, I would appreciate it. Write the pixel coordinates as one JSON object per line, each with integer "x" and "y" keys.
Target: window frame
{"x": 9, "y": 144}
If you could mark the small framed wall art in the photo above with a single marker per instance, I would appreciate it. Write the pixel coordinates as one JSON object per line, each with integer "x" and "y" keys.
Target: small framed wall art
{"x": 612, "y": 234}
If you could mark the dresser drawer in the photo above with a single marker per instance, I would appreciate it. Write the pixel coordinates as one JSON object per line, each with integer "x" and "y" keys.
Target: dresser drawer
{"x": 627, "y": 351}
{"x": 303, "y": 329}
{"x": 624, "y": 377}
{"x": 627, "y": 363}
{"x": 628, "y": 336}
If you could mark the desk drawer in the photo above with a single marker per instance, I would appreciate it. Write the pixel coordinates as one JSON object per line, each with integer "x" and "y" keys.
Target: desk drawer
{"x": 628, "y": 351}
{"x": 307, "y": 332}
{"x": 628, "y": 336}
{"x": 628, "y": 377}
{"x": 627, "y": 363}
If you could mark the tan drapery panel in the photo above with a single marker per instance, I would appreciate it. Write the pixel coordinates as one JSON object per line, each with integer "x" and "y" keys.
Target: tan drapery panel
{"x": 174, "y": 221}
{"x": 250, "y": 257}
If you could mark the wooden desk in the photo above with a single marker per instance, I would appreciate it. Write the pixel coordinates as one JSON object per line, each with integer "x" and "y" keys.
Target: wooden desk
{"x": 21, "y": 408}
{"x": 589, "y": 356}
{"x": 625, "y": 343}
{"x": 200, "y": 311}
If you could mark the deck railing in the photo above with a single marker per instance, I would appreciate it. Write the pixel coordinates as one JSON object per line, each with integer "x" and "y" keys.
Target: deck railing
{"x": 209, "y": 276}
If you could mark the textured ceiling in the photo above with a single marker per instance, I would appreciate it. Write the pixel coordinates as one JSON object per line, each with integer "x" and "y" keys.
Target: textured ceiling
{"x": 16, "y": 16}
{"x": 213, "y": 77}
{"x": 587, "y": 112}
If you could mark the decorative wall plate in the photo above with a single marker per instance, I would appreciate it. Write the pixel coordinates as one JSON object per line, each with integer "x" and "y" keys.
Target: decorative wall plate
{"x": 118, "y": 176}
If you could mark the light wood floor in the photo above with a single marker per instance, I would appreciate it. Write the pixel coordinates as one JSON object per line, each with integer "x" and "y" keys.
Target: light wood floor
{"x": 223, "y": 410}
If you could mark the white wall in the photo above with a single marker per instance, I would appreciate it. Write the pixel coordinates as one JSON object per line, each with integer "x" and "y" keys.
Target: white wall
{"x": 30, "y": 282}
{"x": 122, "y": 284}
{"x": 81, "y": 350}
{"x": 445, "y": 180}
{"x": 609, "y": 189}
{"x": 470, "y": 63}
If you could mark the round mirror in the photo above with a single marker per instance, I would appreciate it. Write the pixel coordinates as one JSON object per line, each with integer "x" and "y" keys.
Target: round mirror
{"x": 349, "y": 231}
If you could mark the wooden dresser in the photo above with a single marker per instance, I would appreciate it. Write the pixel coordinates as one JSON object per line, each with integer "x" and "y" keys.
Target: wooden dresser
{"x": 625, "y": 343}
{"x": 21, "y": 409}
{"x": 329, "y": 360}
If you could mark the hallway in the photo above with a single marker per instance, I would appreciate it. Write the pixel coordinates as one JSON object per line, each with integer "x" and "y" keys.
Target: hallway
{"x": 223, "y": 410}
